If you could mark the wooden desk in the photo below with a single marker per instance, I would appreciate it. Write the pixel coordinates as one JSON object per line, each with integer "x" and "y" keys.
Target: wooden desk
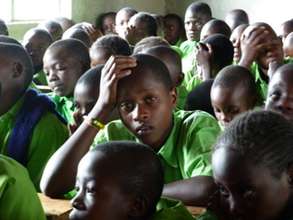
{"x": 55, "y": 209}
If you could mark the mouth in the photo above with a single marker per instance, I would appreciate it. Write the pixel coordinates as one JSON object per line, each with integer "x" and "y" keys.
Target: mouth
{"x": 57, "y": 87}
{"x": 143, "y": 130}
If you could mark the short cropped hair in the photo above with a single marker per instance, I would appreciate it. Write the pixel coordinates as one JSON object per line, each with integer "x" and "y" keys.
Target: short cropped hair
{"x": 200, "y": 8}
{"x": 79, "y": 34}
{"x": 149, "y": 42}
{"x": 7, "y": 39}
{"x": 91, "y": 78}
{"x": 218, "y": 27}
{"x": 138, "y": 170}
{"x": 3, "y": 28}
{"x": 149, "y": 20}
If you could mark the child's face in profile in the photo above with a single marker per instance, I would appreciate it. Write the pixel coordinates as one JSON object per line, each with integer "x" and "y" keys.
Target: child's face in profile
{"x": 145, "y": 106}
{"x": 99, "y": 196}
{"x": 62, "y": 71}
{"x": 280, "y": 94}
{"x": 249, "y": 190}
{"x": 229, "y": 102}
{"x": 235, "y": 39}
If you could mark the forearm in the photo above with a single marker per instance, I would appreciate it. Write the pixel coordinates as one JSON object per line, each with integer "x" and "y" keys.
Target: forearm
{"x": 195, "y": 191}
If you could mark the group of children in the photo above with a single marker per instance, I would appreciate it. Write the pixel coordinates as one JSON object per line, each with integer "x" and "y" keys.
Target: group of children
{"x": 133, "y": 125}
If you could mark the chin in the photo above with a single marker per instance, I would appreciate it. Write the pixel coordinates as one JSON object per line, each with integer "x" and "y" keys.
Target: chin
{"x": 77, "y": 215}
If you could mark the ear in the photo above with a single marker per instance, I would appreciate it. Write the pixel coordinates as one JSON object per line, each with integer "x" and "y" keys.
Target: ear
{"x": 180, "y": 79}
{"x": 173, "y": 94}
{"x": 17, "y": 70}
{"x": 139, "y": 207}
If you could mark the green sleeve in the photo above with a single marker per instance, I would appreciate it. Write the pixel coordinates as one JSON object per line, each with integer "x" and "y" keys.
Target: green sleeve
{"x": 201, "y": 133}
{"x": 49, "y": 134}
{"x": 18, "y": 198}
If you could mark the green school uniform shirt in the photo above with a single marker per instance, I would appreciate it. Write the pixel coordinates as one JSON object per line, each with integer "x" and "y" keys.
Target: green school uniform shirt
{"x": 188, "y": 49}
{"x": 18, "y": 197}
{"x": 186, "y": 152}
{"x": 64, "y": 105}
{"x": 48, "y": 135}
{"x": 40, "y": 78}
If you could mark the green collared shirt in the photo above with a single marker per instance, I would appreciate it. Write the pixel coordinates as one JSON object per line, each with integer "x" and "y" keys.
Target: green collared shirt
{"x": 188, "y": 49}
{"x": 18, "y": 197}
{"x": 64, "y": 105}
{"x": 186, "y": 152}
{"x": 40, "y": 78}
{"x": 48, "y": 135}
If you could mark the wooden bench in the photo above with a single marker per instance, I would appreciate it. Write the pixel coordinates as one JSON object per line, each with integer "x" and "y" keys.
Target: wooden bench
{"x": 55, "y": 209}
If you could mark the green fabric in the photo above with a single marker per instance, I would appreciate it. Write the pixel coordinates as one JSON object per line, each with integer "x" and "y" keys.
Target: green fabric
{"x": 186, "y": 152}
{"x": 40, "y": 78}
{"x": 48, "y": 135}
{"x": 176, "y": 211}
{"x": 188, "y": 49}
{"x": 64, "y": 105}
{"x": 18, "y": 197}
{"x": 177, "y": 49}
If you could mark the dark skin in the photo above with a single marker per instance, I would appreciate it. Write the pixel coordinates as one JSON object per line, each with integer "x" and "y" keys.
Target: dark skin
{"x": 171, "y": 30}
{"x": 147, "y": 113}
{"x": 235, "y": 39}
{"x": 136, "y": 31}
{"x": 203, "y": 57}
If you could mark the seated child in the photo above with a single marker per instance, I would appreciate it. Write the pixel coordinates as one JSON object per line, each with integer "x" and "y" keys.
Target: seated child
{"x": 64, "y": 62}
{"x": 236, "y": 17}
{"x": 215, "y": 26}
{"x": 79, "y": 34}
{"x": 18, "y": 197}
{"x": 90, "y": 29}
{"x": 174, "y": 31}
{"x": 288, "y": 46}
{"x": 235, "y": 39}
{"x": 36, "y": 41}
{"x": 106, "y": 46}
{"x": 105, "y": 22}
{"x": 7, "y": 39}
{"x": 149, "y": 42}
{"x": 212, "y": 55}
{"x": 280, "y": 92}
{"x": 286, "y": 28}
{"x": 53, "y": 27}
{"x": 142, "y": 90}
{"x": 31, "y": 129}
{"x": 260, "y": 46}
{"x": 121, "y": 21}
{"x": 233, "y": 92}
{"x": 141, "y": 25}
{"x": 114, "y": 182}
{"x": 252, "y": 166}
{"x": 65, "y": 23}
{"x": 3, "y": 28}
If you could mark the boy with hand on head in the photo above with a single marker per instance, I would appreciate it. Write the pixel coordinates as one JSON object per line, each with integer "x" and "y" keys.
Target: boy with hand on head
{"x": 233, "y": 92}
{"x": 36, "y": 41}
{"x": 121, "y": 185}
{"x": 31, "y": 129}
{"x": 64, "y": 62}
{"x": 215, "y": 26}
{"x": 142, "y": 90}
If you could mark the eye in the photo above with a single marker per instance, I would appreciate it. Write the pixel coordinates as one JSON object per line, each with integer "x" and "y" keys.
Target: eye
{"x": 150, "y": 100}
{"x": 234, "y": 111}
{"x": 91, "y": 189}
{"x": 275, "y": 95}
{"x": 126, "y": 106}
{"x": 223, "y": 191}
{"x": 249, "y": 194}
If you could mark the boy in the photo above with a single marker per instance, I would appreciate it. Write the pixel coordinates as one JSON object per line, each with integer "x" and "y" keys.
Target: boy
{"x": 36, "y": 41}
{"x": 141, "y": 88}
{"x": 3, "y": 28}
{"x": 236, "y": 17}
{"x": 79, "y": 34}
{"x": 215, "y": 26}
{"x": 149, "y": 42}
{"x": 105, "y": 22}
{"x": 286, "y": 28}
{"x": 64, "y": 62}
{"x": 53, "y": 27}
{"x": 233, "y": 92}
{"x": 288, "y": 46}
{"x": 65, "y": 23}
{"x": 106, "y": 46}
{"x": 31, "y": 130}
{"x": 235, "y": 39}
{"x": 174, "y": 31}
{"x": 121, "y": 20}
{"x": 123, "y": 185}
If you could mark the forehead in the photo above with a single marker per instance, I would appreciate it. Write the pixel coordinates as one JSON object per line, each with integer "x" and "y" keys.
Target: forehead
{"x": 236, "y": 94}
{"x": 282, "y": 77}
{"x": 60, "y": 54}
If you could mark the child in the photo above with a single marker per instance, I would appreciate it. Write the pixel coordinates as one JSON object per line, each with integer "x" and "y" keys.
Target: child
{"x": 79, "y": 34}
{"x": 106, "y": 23}
{"x": 141, "y": 88}
{"x": 31, "y": 130}
{"x": 236, "y": 17}
{"x": 54, "y": 28}
{"x": 288, "y": 46}
{"x": 64, "y": 62}
{"x": 65, "y": 23}
{"x": 286, "y": 28}
{"x": 121, "y": 20}
{"x": 235, "y": 39}
{"x": 18, "y": 197}
{"x": 280, "y": 91}
{"x": 215, "y": 26}
{"x": 196, "y": 15}
{"x": 260, "y": 46}
{"x": 233, "y": 92}
{"x": 141, "y": 25}
{"x": 3, "y": 28}
{"x": 174, "y": 31}
{"x": 252, "y": 166}
{"x": 36, "y": 41}
{"x": 108, "y": 45}
{"x": 149, "y": 42}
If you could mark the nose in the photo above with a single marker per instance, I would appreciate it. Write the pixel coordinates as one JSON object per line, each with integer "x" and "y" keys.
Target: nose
{"x": 235, "y": 207}
{"x": 225, "y": 117}
{"x": 140, "y": 113}
{"x": 284, "y": 104}
{"x": 77, "y": 201}
{"x": 52, "y": 76}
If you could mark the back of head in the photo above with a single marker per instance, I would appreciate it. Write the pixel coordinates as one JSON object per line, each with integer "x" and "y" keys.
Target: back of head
{"x": 263, "y": 137}
{"x": 3, "y": 28}
{"x": 74, "y": 48}
{"x": 136, "y": 168}
{"x": 79, "y": 34}
{"x": 39, "y": 33}
{"x": 6, "y": 39}
{"x": 236, "y": 17}
{"x": 65, "y": 23}
{"x": 215, "y": 26}
{"x": 200, "y": 8}
{"x": 222, "y": 50}
{"x": 53, "y": 27}
{"x": 149, "y": 42}
{"x": 286, "y": 28}
{"x": 148, "y": 20}
{"x": 288, "y": 45}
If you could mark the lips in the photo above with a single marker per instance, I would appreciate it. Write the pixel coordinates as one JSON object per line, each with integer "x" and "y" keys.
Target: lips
{"x": 143, "y": 130}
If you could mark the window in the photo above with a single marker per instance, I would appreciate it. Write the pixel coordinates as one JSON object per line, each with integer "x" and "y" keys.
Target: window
{"x": 33, "y": 10}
